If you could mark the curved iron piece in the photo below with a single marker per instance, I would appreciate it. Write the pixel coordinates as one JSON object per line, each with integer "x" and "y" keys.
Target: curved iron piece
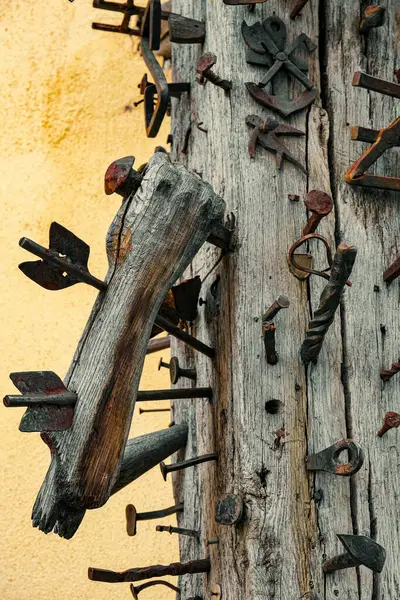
{"x": 327, "y": 460}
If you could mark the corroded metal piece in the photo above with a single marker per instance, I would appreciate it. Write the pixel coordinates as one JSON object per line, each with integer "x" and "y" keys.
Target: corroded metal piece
{"x": 360, "y": 550}
{"x": 267, "y": 42}
{"x": 267, "y": 134}
{"x": 180, "y": 334}
{"x": 374, "y": 16}
{"x": 186, "y": 298}
{"x": 320, "y": 205}
{"x": 178, "y": 530}
{"x": 176, "y": 372}
{"x": 393, "y": 271}
{"x": 120, "y": 178}
{"x": 165, "y": 469}
{"x": 175, "y": 569}
{"x": 50, "y": 404}
{"x": 387, "y": 374}
{"x": 269, "y": 328}
{"x": 132, "y": 517}
{"x": 328, "y": 459}
{"x": 135, "y": 590}
{"x": 67, "y": 254}
{"x": 296, "y": 265}
{"x": 173, "y": 394}
{"x": 330, "y": 298}
{"x": 229, "y": 509}
{"x": 204, "y": 73}
{"x": 270, "y": 314}
{"x": 374, "y": 84}
{"x": 297, "y": 8}
{"x": 392, "y": 420}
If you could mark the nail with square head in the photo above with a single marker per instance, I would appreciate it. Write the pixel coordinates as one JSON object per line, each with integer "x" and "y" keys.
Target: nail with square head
{"x": 165, "y": 469}
{"x": 121, "y": 178}
{"x": 180, "y": 334}
{"x": 320, "y": 205}
{"x": 132, "y": 517}
{"x": 204, "y": 73}
{"x": 63, "y": 264}
{"x": 360, "y": 551}
{"x": 50, "y": 405}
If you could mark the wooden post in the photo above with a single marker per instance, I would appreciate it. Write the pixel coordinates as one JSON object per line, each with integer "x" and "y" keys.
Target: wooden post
{"x": 291, "y": 516}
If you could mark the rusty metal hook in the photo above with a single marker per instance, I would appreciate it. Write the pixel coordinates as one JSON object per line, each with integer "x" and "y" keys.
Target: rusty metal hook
{"x": 323, "y": 273}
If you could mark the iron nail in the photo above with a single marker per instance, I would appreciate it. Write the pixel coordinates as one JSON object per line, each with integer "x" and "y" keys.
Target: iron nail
{"x": 392, "y": 420}
{"x": 270, "y": 314}
{"x": 162, "y": 364}
{"x": 229, "y": 509}
{"x": 202, "y": 565}
{"x": 392, "y": 272}
{"x": 178, "y": 530}
{"x": 374, "y": 16}
{"x": 212, "y": 542}
{"x": 165, "y": 469}
{"x": 132, "y": 517}
{"x": 174, "y": 394}
{"x": 320, "y": 204}
{"x": 121, "y": 178}
{"x": 136, "y": 590}
{"x": 183, "y": 336}
{"x": 327, "y": 460}
{"x": 360, "y": 550}
{"x": 176, "y": 372}
{"x": 269, "y": 330}
{"x": 152, "y": 410}
{"x": 204, "y": 72}
{"x": 387, "y": 374}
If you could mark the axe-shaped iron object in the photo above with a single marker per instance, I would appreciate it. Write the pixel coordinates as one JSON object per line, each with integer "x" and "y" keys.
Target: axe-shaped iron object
{"x": 153, "y": 238}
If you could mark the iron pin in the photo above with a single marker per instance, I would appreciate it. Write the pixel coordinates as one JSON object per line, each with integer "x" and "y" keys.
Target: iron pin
{"x": 204, "y": 72}
{"x": 135, "y": 590}
{"x": 165, "y": 469}
{"x": 392, "y": 419}
{"x": 138, "y": 574}
{"x": 178, "y": 530}
{"x": 320, "y": 205}
{"x": 176, "y": 372}
{"x": 132, "y": 516}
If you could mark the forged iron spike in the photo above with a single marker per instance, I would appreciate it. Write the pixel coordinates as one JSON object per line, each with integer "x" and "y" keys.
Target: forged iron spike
{"x": 165, "y": 469}
{"x": 392, "y": 420}
{"x": 135, "y": 590}
{"x": 175, "y": 569}
{"x": 320, "y": 205}
{"x": 178, "y": 530}
{"x": 132, "y": 517}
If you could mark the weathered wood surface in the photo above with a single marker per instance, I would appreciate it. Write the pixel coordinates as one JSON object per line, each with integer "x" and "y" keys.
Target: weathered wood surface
{"x": 292, "y": 517}
{"x": 152, "y": 240}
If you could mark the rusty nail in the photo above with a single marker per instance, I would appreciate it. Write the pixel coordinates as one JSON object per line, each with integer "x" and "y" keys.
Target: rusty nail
{"x": 374, "y": 16}
{"x": 387, "y": 374}
{"x": 327, "y": 460}
{"x": 152, "y": 410}
{"x": 212, "y": 542}
{"x": 183, "y": 336}
{"x": 176, "y": 372}
{"x": 392, "y": 420}
{"x": 165, "y": 469}
{"x": 174, "y": 394}
{"x": 202, "y": 565}
{"x": 320, "y": 204}
{"x": 204, "y": 72}
{"x": 293, "y": 197}
{"x": 281, "y": 302}
{"x": 132, "y": 517}
{"x": 360, "y": 550}
{"x": 136, "y": 590}
{"x": 393, "y": 271}
{"x": 178, "y": 530}
{"x": 121, "y": 178}
{"x": 229, "y": 509}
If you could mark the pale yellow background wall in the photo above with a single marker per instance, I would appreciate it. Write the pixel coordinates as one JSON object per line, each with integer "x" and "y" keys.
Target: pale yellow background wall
{"x": 64, "y": 93}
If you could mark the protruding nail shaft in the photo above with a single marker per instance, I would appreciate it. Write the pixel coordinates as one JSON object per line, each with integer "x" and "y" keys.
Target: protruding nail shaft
{"x": 175, "y": 569}
{"x": 178, "y": 530}
{"x": 165, "y": 469}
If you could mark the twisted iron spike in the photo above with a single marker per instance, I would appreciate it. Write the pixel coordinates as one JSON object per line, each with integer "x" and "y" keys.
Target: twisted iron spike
{"x": 330, "y": 298}
{"x": 387, "y": 374}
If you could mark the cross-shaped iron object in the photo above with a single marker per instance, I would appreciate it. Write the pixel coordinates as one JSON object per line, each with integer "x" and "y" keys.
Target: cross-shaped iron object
{"x": 269, "y": 38}
{"x": 266, "y": 134}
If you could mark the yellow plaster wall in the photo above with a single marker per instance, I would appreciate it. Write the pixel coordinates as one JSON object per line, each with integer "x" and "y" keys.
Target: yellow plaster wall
{"x": 66, "y": 112}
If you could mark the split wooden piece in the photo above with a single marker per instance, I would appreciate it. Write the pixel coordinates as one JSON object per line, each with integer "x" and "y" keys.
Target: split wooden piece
{"x": 328, "y": 304}
{"x": 151, "y": 241}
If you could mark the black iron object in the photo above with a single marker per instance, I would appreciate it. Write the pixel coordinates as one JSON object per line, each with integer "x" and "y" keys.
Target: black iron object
{"x": 328, "y": 459}
{"x": 267, "y": 41}
{"x": 267, "y": 133}
{"x": 180, "y": 334}
{"x": 296, "y": 266}
{"x": 373, "y": 16}
{"x": 186, "y": 298}
{"x": 63, "y": 264}
{"x": 165, "y": 469}
{"x": 229, "y": 509}
{"x": 176, "y": 372}
{"x": 135, "y": 590}
{"x": 152, "y": 410}
{"x": 380, "y": 140}
{"x": 50, "y": 404}
{"x": 269, "y": 328}
{"x": 173, "y": 394}
{"x": 132, "y": 517}
{"x": 204, "y": 73}
{"x": 179, "y": 531}
{"x": 330, "y": 298}
{"x": 158, "y": 344}
{"x": 175, "y": 569}
{"x": 360, "y": 551}
{"x": 212, "y": 542}
{"x": 297, "y": 8}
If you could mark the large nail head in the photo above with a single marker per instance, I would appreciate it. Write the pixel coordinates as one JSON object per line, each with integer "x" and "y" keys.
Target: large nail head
{"x": 121, "y": 178}
{"x": 229, "y": 509}
{"x": 319, "y": 202}
{"x": 130, "y": 512}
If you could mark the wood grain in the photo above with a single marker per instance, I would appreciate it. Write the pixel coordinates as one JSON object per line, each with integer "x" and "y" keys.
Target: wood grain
{"x": 153, "y": 238}
{"x": 291, "y": 517}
